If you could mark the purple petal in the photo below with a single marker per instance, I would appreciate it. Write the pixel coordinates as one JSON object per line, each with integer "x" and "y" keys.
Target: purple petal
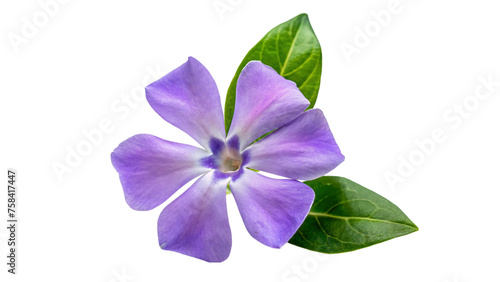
{"x": 196, "y": 223}
{"x": 272, "y": 209}
{"x": 188, "y": 98}
{"x": 302, "y": 149}
{"x": 264, "y": 101}
{"x": 152, "y": 169}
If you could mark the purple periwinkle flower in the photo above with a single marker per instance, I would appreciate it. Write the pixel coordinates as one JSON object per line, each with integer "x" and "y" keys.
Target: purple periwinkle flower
{"x": 196, "y": 223}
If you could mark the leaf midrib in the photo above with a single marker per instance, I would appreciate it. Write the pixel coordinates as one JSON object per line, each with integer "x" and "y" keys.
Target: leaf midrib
{"x": 316, "y": 214}
{"x": 291, "y": 48}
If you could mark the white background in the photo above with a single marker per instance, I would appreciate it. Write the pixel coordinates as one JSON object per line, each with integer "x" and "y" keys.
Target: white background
{"x": 89, "y": 55}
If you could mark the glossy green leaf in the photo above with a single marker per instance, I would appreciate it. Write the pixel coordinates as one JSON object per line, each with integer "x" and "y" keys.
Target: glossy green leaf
{"x": 291, "y": 49}
{"x": 346, "y": 216}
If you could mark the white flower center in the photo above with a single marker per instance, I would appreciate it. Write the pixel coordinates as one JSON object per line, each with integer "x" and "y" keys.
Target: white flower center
{"x": 230, "y": 160}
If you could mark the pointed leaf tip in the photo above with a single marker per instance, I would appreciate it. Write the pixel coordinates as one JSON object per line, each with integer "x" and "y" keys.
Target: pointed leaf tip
{"x": 346, "y": 216}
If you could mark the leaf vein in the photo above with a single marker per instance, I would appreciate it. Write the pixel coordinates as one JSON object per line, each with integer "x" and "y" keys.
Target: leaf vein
{"x": 309, "y": 76}
{"x": 291, "y": 48}
{"x": 316, "y": 215}
{"x": 328, "y": 235}
{"x": 298, "y": 68}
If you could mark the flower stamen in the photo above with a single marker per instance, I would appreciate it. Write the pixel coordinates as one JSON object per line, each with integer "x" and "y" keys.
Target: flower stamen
{"x": 232, "y": 165}
{"x": 230, "y": 160}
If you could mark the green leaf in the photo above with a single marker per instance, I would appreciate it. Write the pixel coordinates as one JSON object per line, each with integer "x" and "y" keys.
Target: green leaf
{"x": 291, "y": 49}
{"x": 346, "y": 216}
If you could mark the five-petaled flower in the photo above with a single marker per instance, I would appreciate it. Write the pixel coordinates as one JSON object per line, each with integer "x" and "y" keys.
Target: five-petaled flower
{"x": 196, "y": 223}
